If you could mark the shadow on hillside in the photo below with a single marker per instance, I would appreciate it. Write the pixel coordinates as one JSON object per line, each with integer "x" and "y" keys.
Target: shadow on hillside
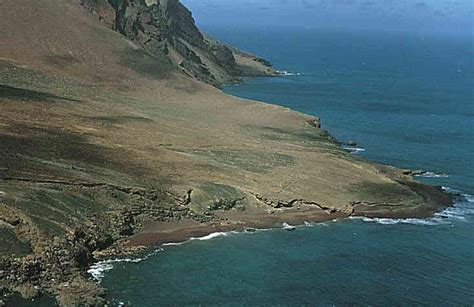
{"x": 147, "y": 65}
{"x": 53, "y": 152}
{"x": 15, "y": 93}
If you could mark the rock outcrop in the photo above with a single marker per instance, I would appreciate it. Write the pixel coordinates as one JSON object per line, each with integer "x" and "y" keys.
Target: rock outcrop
{"x": 104, "y": 141}
{"x": 166, "y": 29}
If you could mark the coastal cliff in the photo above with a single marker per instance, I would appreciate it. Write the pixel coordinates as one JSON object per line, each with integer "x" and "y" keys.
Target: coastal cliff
{"x": 113, "y": 138}
{"x": 166, "y": 28}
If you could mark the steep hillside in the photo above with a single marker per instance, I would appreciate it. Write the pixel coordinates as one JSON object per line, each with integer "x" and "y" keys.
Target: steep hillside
{"x": 107, "y": 147}
{"x": 167, "y": 28}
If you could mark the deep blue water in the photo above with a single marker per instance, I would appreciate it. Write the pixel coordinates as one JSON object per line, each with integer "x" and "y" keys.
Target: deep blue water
{"x": 408, "y": 101}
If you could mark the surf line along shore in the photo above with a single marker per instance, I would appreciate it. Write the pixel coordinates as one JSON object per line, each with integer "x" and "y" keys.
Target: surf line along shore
{"x": 159, "y": 233}
{"x": 177, "y": 233}
{"x": 104, "y": 146}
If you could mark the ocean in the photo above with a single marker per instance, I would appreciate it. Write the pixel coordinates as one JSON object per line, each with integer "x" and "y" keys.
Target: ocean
{"x": 406, "y": 100}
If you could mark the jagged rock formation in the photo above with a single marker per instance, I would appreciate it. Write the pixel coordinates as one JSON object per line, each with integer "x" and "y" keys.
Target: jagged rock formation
{"x": 167, "y": 28}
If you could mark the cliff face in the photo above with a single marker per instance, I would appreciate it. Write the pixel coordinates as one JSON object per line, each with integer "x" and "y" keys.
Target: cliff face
{"x": 101, "y": 135}
{"x": 166, "y": 27}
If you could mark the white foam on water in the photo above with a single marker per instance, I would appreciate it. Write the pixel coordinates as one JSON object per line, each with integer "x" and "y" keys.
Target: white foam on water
{"x": 423, "y": 222}
{"x": 252, "y": 230}
{"x": 287, "y": 226}
{"x": 451, "y": 190}
{"x": 460, "y": 211}
{"x": 97, "y": 270}
{"x": 2, "y": 193}
{"x": 469, "y": 198}
{"x": 432, "y": 175}
{"x": 204, "y": 238}
{"x": 353, "y": 150}
{"x": 173, "y": 244}
{"x": 313, "y": 224}
{"x": 287, "y": 74}
{"x": 211, "y": 236}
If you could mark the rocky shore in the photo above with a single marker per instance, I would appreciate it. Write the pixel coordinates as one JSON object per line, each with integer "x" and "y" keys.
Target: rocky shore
{"x": 59, "y": 267}
{"x": 114, "y": 138}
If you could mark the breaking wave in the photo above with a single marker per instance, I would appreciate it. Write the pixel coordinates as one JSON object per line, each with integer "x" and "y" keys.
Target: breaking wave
{"x": 204, "y": 238}
{"x": 173, "y": 243}
{"x": 287, "y": 226}
{"x": 353, "y": 150}
{"x": 432, "y": 175}
{"x": 313, "y": 224}
{"x": 211, "y": 236}
{"x": 97, "y": 270}
{"x": 389, "y": 221}
{"x": 287, "y": 74}
{"x": 463, "y": 208}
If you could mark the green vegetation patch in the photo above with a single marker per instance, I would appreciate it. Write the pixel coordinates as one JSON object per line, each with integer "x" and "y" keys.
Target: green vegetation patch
{"x": 249, "y": 160}
{"x": 311, "y": 137}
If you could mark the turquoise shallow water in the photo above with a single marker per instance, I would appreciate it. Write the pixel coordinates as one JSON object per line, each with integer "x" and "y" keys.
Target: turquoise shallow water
{"x": 407, "y": 100}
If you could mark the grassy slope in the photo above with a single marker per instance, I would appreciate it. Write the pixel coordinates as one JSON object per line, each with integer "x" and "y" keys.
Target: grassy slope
{"x": 80, "y": 104}
{"x": 93, "y": 131}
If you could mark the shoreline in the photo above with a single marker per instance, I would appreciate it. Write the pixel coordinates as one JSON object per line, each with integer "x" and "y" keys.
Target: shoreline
{"x": 182, "y": 231}
{"x": 152, "y": 255}
{"x": 294, "y": 212}
{"x": 156, "y": 234}
{"x": 276, "y": 210}
{"x": 189, "y": 233}
{"x": 162, "y": 147}
{"x": 100, "y": 142}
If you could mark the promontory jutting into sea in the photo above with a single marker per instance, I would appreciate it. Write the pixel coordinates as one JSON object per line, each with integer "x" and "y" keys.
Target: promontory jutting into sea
{"x": 252, "y": 153}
